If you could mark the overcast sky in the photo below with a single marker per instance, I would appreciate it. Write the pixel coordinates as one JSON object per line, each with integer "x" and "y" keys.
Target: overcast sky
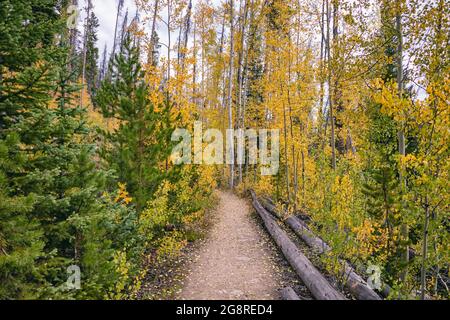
{"x": 106, "y": 11}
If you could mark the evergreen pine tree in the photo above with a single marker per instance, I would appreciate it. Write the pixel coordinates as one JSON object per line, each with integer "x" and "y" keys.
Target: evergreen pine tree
{"x": 140, "y": 146}
{"x": 26, "y": 54}
{"x": 51, "y": 215}
{"x": 21, "y": 240}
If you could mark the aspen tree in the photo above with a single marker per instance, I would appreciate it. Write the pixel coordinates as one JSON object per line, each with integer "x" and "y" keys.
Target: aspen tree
{"x": 230, "y": 93}
{"x": 401, "y": 134}
{"x": 330, "y": 89}
{"x": 240, "y": 72}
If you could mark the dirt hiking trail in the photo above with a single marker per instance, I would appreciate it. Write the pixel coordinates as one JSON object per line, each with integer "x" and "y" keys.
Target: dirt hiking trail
{"x": 235, "y": 261}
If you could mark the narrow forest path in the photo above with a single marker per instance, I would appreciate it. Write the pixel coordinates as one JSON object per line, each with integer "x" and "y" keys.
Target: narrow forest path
{"x": 235, "y": 262}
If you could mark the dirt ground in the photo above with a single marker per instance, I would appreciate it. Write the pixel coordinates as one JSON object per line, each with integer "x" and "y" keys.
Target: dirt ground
{"x": 235, "y": 262}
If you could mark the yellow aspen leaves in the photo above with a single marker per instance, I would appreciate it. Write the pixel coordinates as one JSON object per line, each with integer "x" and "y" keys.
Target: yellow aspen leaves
{"x": 122, "y": 194}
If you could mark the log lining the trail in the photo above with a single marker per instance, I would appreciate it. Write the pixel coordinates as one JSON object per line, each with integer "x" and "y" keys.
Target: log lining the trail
{"x": 289, "y": 294}
{"x": 319, "y": 287}
{"x": 354, "y": 282}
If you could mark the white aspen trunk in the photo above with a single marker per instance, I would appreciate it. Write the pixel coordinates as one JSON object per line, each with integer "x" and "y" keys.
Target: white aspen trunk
{"x": 169, "y": 11}
{"x": 243, "y": 19}
{"x": 203, "y": 70}
{"x": 401, "y": 134}
{"x": 230, "y": 92}
{"x": 194, "y": 67}
{"x": 245, "y": 81}
{"x": 224, "y": 83}
{"x": 288, "y": 188}
{"x": 291, "y": 123}
{"x": 330, "y": 90}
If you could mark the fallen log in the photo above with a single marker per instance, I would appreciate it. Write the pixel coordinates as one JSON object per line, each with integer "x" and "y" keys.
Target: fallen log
{"x": 354, "y": 282}
{"x": 319, "y": 287}
{"x": 268, "y": 204}
{"x": 289, "y": 294}
{"x": 302, "y": 230}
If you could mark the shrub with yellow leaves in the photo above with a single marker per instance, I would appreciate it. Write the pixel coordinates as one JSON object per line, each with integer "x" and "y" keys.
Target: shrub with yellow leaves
{"x": 123, "y": 195}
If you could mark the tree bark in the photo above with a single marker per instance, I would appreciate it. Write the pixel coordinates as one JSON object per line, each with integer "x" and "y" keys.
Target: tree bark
{"x": 423, "y": 271}
{"x": 401, "y": 135}
{"x": 152, "y": 34}
{"x": 330, "y": 97}
{"x": 183, "y": 37}
{"x": 119, "y": 10}
{"x": 240, "y": 77}
{"x": 286, "y": 156}
{"x": 289, "y": 294}
{"x": 230, "y": 92}
{"x": 169, "y": 44}
{"x": 83, "y": 72}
